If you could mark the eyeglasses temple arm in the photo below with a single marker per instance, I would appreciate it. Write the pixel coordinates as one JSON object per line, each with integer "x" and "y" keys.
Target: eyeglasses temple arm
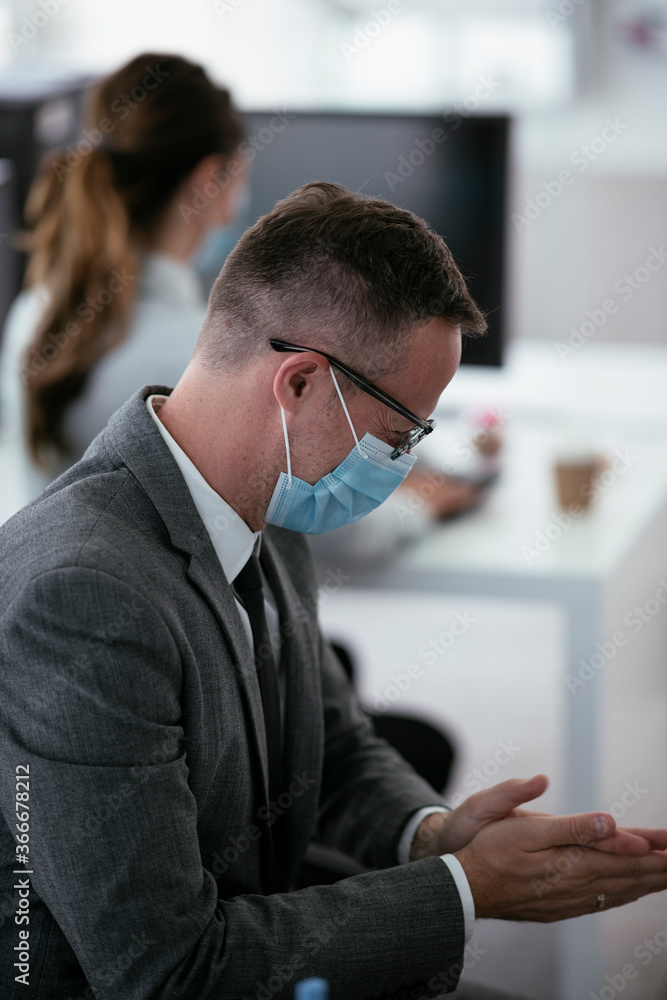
{"x": 359, "y": 381}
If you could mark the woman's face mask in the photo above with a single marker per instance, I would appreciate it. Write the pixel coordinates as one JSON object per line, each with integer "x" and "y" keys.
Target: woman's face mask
{"x": 220, "y": 241}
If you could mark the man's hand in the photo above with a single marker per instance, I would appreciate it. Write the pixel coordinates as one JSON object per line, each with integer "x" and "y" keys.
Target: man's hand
{"x": 446, "y": 833}
{"x": 445, "y": 496}
{"x": 449, "y": 832}
{"x": 544, "y": 868}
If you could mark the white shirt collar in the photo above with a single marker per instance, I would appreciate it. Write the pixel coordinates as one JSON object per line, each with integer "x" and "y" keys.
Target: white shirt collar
{"x": 232, "y": 539}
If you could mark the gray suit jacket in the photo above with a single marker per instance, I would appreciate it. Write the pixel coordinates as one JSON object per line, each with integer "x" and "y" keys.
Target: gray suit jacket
{"x": 128, "y": 688}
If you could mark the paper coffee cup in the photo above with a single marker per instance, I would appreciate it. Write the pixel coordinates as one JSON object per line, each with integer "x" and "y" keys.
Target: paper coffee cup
{"x": 576, "y": 468}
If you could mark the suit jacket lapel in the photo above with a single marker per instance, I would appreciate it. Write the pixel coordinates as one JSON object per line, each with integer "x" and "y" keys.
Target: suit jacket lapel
{"x": 132, "y": 436}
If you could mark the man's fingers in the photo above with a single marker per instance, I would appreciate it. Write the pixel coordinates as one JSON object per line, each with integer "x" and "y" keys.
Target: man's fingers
{"x": 531, "y": 788}
{"x": 596, "y": 871}
{"x": 496, "y": 802}
{"x": 633, "y": 841}
{"x": 656, "y": 838}
{"x": 549, "y": 867}
{"x": 633, "y": 882}
{"x": 560, "y": 909}
{"x": 623, "y": 842}
{"x": 635, "y": 886}
{"x": 485, "y": 808}
{"x": 582, "y": 829}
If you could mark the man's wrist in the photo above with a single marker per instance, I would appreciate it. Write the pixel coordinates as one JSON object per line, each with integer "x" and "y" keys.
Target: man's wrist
{"x": 425, "y": 843}
{"x": 410, "y": 829}
{"x": 412, "y": 839}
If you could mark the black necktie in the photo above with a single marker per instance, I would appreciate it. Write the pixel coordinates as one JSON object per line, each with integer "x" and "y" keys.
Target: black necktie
{"x": 249, "y": 585}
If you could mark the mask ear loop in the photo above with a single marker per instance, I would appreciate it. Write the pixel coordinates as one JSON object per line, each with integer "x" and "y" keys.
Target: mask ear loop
{"x": 289, "y": 460}
{"x": 340, "y": 396}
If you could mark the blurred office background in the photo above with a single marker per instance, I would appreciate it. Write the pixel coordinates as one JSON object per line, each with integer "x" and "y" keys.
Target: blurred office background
{"x": 540, "y": 637}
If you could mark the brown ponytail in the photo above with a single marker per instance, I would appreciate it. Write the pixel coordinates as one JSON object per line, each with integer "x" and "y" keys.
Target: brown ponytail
{"x": 83, "y": 256}
{"x": 91, "y": 208}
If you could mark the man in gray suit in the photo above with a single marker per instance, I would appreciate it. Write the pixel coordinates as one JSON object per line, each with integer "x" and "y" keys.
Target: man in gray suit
{"x": 173, "y": 728}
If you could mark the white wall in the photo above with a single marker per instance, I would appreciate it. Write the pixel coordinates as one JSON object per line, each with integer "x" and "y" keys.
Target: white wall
{"x": 575, "y": 252}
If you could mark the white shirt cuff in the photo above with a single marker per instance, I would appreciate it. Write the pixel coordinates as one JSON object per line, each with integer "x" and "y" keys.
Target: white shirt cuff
{"x": 462, "y": 884}
{"x": 454, "y": 865}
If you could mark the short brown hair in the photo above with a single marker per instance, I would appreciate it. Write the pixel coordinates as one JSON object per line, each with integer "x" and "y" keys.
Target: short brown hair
{"x": 335, "y": 270}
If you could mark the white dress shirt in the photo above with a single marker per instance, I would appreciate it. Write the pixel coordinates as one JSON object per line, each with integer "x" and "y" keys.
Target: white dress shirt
{"x": 233, "y": 542}
{"x": 232, "y": 539}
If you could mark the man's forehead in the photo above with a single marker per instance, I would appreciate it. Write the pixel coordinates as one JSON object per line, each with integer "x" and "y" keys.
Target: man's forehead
{"x": 434, "y": 352}
{"x": 431, "y": 358}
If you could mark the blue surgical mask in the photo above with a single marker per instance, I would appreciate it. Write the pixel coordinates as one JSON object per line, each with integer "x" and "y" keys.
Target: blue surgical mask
{"x": 357, "y": 486}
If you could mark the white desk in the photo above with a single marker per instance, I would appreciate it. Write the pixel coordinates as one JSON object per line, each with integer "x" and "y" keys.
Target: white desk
{"x": 605, "y": 732}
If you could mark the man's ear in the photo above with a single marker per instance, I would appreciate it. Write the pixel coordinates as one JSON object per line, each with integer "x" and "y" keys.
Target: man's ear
{"x": 300, "y": 379}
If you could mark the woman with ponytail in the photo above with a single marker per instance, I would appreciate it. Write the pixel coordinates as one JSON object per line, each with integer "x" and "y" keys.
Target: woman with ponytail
{"x": 112, "y": 301}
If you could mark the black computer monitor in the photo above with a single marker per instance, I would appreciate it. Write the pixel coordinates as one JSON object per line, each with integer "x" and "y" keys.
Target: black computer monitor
{"x": 449, "y": 169}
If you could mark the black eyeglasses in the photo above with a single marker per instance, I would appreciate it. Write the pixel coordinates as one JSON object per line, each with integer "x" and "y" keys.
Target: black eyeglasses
{"x": 410, "y": 438}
